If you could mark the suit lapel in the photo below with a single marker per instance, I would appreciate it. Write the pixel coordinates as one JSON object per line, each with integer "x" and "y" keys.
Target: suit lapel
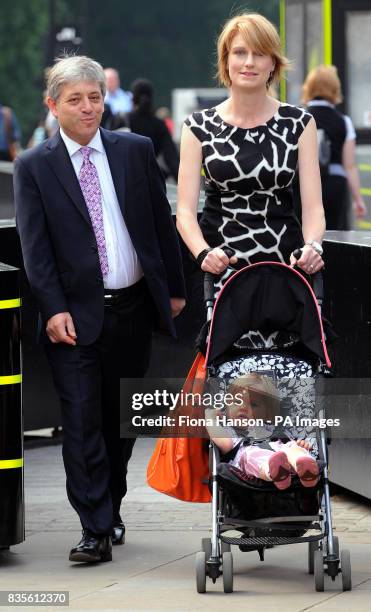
{"x": 61, "y": 164}
{"x": 117, "y": 160}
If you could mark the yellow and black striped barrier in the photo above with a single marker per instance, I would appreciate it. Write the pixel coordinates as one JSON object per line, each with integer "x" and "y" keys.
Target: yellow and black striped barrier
{"x": 11, "y": 422}
{"x": 366, "y": 193}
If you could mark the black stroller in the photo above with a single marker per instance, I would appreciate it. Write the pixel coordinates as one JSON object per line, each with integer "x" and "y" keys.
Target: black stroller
{"x": 263, "y": 515}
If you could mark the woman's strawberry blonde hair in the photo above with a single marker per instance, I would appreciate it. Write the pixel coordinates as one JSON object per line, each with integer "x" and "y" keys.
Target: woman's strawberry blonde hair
{"x": 322, "y": 82}
{"x": 260, "y": 35}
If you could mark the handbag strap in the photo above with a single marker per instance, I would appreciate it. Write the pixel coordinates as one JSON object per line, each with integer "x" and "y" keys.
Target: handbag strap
{"x": 196, "y": 373}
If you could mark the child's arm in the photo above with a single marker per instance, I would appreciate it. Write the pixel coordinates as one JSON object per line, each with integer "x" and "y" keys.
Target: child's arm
{"x": 216, "y": 432}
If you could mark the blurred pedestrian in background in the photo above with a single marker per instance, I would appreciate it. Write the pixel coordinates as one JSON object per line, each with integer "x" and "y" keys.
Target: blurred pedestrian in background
{"x": 120, "y": 101}
{"x": 340, "y": 179}
{"x": 10, "y": 134}
{"x": 39, "y": 134}
{"x": 51, "y": 124}
{"x": 164, "y": 113}
{"x": 107, "y": 117}
{"x": 142, "y": 120}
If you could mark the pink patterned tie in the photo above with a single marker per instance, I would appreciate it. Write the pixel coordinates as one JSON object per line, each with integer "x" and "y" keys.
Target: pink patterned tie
{"x": 90, "y": 187}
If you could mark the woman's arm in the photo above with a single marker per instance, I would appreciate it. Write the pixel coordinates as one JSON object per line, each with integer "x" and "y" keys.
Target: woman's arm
{"x": 349, "y": 163}
{"x": 189, "y": 180}
{"x": 313, "y": 216}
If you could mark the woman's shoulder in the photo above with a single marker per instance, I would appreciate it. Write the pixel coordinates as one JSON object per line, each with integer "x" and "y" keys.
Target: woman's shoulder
{"x": 201, "y": 123}
{"x": 200, "y": 116}
{"x": 290, "y": 111}
{"x": 292, "y": 121}
{"x": 349, "y": 128}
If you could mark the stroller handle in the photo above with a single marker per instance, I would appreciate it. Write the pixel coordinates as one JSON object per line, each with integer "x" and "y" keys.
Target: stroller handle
{"x": 208, "y": 287}
{"x": 209, "y": 280}
{"x": 317, "y": 279}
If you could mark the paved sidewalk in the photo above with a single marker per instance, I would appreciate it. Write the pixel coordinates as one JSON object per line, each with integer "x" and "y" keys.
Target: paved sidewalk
{"x": 155, "y": 568}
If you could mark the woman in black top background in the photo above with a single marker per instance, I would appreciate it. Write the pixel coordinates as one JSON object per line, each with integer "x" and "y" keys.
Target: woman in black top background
{"x": 142, "y": 120}
{"x": 340, "y": 179}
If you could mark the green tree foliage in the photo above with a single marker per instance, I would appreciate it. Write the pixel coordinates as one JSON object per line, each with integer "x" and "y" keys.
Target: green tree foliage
{"x": 22, "y": 34}
{"x": 171, "y": 43}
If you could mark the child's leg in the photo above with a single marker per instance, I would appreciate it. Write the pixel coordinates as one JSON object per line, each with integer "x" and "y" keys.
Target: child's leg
{"x": 293, "y": 452}
{"x": 303, "y": 463}
{"x": 267, "y": 465}
{"x": 254, "y": 461}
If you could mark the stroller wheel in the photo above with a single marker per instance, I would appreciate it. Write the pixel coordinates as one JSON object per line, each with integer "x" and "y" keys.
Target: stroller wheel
{"x": 346, "y": 570}
{"x": 206, "y": 547}
{"x": 201, "y": 572}
{"x": 225, "y": 547}
{"x": 312, "y": 547}
{"x": 319, "y": 571}
{"x": 228, "y": 572}
{"x": 336, "y": 546}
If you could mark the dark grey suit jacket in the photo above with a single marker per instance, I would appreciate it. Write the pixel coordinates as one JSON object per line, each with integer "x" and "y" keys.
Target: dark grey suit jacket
{"x": 58, "y": 242}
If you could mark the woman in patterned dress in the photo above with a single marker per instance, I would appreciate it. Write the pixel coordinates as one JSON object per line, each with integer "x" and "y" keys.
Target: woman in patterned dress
{"x": 249, "y": 147}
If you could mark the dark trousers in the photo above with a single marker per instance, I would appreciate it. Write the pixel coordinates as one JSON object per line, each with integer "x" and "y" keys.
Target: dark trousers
{"x": 336, "y": 202}
{"x": 5, "y": 156}
{"x": 87, "y": 379}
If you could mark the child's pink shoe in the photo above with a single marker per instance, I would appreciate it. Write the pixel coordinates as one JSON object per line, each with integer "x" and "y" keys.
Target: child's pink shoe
{"x": 308, "y": 471}
{"x": 280, "y": 470}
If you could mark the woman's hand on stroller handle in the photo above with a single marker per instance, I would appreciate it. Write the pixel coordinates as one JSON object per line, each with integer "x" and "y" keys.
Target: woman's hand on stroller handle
{"x": 307, "y": 259}
{"x": 217, "y": 260}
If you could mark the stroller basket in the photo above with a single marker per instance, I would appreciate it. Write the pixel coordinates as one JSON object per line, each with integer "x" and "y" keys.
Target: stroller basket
{"x": 265, "y": 541}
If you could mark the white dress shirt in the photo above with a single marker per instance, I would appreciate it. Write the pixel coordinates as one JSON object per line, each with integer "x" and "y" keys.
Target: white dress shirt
{"x": 123, "y": 263}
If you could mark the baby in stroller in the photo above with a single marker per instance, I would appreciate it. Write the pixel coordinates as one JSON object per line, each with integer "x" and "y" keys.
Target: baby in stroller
{"x": 259, "y": 456}
{"x": 251, "y": 491}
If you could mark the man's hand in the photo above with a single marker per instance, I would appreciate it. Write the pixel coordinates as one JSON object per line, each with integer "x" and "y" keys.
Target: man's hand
{"x": 177, "y": 305}
{"x": 360, "y": 209}
{"x": 60, "y": 328}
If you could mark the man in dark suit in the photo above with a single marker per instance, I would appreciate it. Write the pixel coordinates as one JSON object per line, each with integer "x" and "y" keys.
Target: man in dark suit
{"x": 103, "y": 261}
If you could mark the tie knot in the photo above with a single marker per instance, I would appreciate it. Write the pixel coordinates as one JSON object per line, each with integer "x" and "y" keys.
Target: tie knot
{"x": 85, "y": 151}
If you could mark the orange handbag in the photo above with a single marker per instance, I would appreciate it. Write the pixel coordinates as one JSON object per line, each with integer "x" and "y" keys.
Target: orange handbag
{"x": 180, "y": 466}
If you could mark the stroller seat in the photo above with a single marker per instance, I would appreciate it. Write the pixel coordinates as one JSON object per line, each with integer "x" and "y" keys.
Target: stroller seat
{"x": 295, "y": 382}
{"x": 264, "y": 515}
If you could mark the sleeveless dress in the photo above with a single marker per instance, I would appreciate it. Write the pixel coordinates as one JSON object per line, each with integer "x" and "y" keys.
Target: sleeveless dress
{"x": 249, "y": 203}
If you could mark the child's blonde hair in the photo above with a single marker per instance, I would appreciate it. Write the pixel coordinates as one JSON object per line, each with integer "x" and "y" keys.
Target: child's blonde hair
{"x": 261, "y": 385}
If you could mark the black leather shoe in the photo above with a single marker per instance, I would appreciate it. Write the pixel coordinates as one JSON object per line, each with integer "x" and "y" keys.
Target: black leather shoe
{"x": 118, "y": 533}
{"x": 92, "y": 548}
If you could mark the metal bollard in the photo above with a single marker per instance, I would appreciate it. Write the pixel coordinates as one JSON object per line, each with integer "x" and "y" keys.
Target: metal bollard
{"x": 12, "y": 529}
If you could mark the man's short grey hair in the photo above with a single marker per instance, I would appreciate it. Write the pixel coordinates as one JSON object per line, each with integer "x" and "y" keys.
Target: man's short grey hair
{"x": 73, "y": 69}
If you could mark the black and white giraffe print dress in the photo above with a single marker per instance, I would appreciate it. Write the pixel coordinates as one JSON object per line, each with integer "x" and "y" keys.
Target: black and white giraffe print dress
{"x": 248, "y": 175}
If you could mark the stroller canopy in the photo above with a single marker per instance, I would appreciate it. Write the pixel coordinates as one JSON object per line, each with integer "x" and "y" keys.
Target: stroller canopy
{"x": 266, "y": 296}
